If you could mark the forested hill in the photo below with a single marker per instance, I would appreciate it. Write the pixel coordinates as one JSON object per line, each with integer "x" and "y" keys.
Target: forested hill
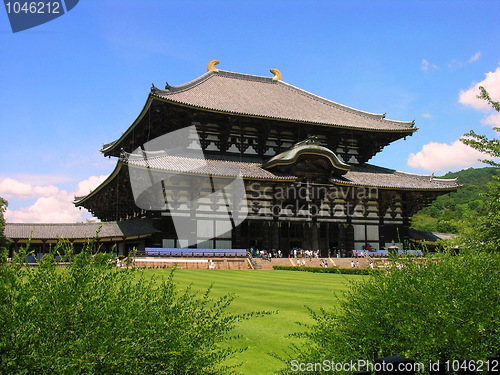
{"x": 444, "y": 213}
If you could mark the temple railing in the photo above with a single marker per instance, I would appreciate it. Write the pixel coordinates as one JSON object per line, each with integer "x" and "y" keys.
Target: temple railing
{"x": 175, "y": 252}
{"x": 252, "y": 261}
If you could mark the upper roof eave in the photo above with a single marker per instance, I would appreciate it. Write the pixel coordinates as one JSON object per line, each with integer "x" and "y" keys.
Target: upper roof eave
{"x": 207, "y": 75}
{"x": 407, "y": 131}
{"x": 168, "y": 95}
{"x": 107, "y": 147}
{"x": 171, "y": 91}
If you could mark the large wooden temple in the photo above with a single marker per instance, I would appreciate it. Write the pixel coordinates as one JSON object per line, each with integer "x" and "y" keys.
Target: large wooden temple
{"x": 302, "y": 161}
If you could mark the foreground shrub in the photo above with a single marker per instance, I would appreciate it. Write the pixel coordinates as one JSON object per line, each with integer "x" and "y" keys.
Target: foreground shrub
{"x": 93, "y": 319}
{"x": 427, "y": 310}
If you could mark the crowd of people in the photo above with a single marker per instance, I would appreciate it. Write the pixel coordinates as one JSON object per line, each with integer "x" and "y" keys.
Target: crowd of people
{"x": 310, "y": 254}
{"x": 266, "y": 254}
{"x": 301, "y": 253}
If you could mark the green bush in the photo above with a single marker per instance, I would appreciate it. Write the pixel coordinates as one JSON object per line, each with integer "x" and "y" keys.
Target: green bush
{"x": 427, "y": 310}
{"x": 347, "y": 271}
{"x": 92, "y": 319}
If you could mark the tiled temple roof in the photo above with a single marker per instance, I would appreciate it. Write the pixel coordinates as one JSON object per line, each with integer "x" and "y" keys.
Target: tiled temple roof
{"x": 73, "y": 231}
{"x": 257, "y": 96}
{"x": 361, "y": 175}
{"x": 223, "y": 168}
{"x": 430, "y": 236}
{"x": 371, "y": 175}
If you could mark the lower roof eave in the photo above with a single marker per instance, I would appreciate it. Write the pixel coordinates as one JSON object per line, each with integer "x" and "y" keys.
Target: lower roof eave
{"x": 447, "y": 189}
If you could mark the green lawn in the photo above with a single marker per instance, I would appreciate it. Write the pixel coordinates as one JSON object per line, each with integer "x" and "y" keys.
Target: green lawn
{"x": 286, "y": 292}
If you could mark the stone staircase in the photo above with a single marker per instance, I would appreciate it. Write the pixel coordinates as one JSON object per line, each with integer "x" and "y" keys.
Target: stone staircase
{"x": 346, "y": 262}
{"x": 261, "y": 264}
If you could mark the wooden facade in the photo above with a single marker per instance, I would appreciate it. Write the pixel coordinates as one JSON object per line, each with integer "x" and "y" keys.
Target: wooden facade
{"x": 303, "y": 161}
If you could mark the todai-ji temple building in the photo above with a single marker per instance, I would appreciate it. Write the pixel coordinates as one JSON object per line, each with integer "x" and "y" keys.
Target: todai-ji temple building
{"x": 232, "y": 160}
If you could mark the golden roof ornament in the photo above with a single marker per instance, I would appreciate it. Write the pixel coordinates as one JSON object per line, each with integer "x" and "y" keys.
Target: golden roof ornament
{"x": 211, "y": 66}
{"x": 277, "y": 74}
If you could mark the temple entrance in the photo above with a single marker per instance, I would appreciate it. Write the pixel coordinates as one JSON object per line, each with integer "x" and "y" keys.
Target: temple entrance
{"x": 340, "y": 239}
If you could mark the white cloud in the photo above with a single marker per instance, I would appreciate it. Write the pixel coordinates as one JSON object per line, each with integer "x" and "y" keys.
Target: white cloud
{"x": 54, "y": 209}
{"x": 442, "y": 157}
{"x": 493, "y": 119}
{"x": 38, "y": 179}
{"x": 475, "y": 57}
{"x": 457, "y": 64}
{"x": 52, "y": 205}
{"x": 86, "y": 186}
{"x": 426, "y": 115}
{"x": 491, "y": 83}
{"x": 426, "y": 65}
{"x": 14, "y": 189}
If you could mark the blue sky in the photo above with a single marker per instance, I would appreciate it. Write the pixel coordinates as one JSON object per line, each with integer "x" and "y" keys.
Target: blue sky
{"x": 72, "y": 84}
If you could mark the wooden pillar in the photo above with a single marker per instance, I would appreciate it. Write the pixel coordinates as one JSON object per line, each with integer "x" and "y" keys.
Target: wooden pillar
{"x": 381, "y": 235}
{"x": 275, "y": 235}
{"x": 314, "y": 236}
{"x": 304, "y": 235}
{"x": 289, "y": 236}
{"x": 266, "y": 235}
{"x": 327, "y": 239}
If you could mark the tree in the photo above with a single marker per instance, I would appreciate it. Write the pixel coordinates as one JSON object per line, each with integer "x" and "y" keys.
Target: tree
{"x": 4, "y": 243}
{"x": 446, "y": 308}
{"x": 481, "y": 142}
{"x": 442, "y": 308}
{"x": 91, "y": 318}
{"x": 482, "y": 232}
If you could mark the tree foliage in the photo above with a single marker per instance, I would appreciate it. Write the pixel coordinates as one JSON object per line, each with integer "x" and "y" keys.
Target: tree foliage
{"x": 428, "y": 310}
{"x": 91, "y": 318}
{"x": 481, "y": 142}
{"x": 446, "y": 308}
{"x": 473, "y": 210}
{"x": 446, "y": 212}
{"x": 3, "y": 241}
{"x": 482, "y": 232}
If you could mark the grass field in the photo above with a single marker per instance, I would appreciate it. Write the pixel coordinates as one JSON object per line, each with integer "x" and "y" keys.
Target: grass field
{"x": 285, "y": 292}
